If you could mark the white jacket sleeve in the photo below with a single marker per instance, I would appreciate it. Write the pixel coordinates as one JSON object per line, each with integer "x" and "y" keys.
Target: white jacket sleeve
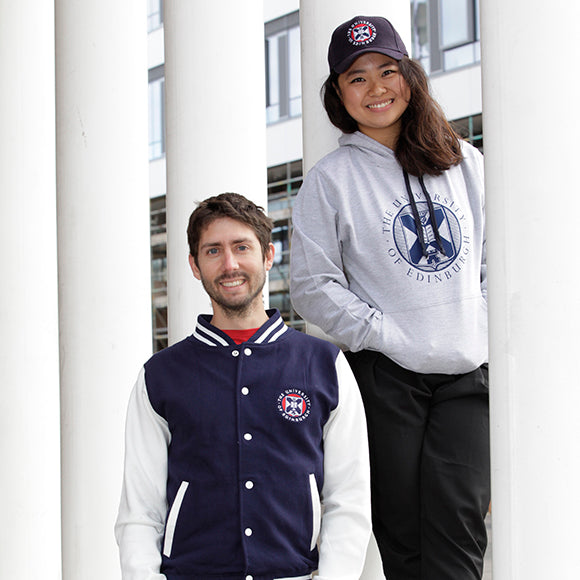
{"x": 346, "y": 503}
{"x": 319, "y": 287}
{"x": 143, "y": 507}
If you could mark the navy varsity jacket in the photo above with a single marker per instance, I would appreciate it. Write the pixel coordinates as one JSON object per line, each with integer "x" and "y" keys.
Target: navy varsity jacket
{"x": 227, "y": 460}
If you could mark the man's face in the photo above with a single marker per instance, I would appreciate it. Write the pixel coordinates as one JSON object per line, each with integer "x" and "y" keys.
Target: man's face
{"x": 231, "y": 266}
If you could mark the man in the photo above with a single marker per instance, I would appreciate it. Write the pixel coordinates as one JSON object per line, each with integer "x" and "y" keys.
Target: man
{"x": 246, "y": 442}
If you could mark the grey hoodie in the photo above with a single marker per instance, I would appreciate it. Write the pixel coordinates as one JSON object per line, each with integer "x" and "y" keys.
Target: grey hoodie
{"x": 358, "y": 270}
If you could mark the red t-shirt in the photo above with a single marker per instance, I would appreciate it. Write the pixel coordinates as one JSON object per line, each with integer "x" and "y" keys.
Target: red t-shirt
{"x": 239, "y": 336}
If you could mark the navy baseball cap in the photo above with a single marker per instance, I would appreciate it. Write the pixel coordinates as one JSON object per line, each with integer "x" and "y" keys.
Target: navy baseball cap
{"x": 363, "y": 34}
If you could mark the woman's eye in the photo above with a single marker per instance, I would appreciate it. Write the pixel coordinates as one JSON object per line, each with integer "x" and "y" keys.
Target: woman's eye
{"x": 388, "y": 72}
{"x": 357, "y": 80}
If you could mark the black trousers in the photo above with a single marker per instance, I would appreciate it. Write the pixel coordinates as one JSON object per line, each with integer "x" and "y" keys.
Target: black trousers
{"x": 430, "y": 474}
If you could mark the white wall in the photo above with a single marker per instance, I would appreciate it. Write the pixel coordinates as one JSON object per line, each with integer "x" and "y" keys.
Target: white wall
{"x": 157, "y": 177}
{"x": 284, "y": 142}
{"x": 459, "y": 92}
{"x": 155, "y": 49}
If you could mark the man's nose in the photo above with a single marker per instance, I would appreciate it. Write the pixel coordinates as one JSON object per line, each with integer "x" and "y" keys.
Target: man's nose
{"x": 230, "y": 261}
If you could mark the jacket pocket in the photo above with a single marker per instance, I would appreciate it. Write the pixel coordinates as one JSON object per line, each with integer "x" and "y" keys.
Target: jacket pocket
{"x": 316, "y": 511}
{"x": 172, "y": 519}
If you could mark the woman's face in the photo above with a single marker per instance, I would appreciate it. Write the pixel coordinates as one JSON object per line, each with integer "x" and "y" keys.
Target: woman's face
{"x": 375, "y": 95}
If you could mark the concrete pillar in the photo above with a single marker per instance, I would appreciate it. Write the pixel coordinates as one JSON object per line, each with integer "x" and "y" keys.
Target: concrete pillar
{"x": 318, "y": 19}
{"x": 531, "y": 156}
{"x": 29, "y": 432}
{"x": 104, "y": 271}
{"x": 216, "y": 129}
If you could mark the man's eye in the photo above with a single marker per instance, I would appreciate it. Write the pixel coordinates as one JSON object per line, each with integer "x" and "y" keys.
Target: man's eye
{"x": 242, "y": 248}
{"x": 212, "y": 251}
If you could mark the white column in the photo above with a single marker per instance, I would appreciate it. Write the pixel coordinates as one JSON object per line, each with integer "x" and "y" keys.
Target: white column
{"x": 216, "y": 128}
{"x": 318, "y": 19}
{"x": 29, "y": 433}
{"x": 104, "y": 272}
{"x": 530, "y": 91}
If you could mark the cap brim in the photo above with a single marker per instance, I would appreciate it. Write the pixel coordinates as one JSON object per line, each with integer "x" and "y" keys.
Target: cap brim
{"x": 345, "y": 64}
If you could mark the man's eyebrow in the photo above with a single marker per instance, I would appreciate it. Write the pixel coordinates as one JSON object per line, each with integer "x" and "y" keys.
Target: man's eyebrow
{"x": 233, "y": 242}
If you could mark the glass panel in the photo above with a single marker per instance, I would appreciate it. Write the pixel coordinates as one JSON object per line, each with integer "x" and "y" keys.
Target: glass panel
{"x": 461, "y": 56}
{"x": 283, "y": 73}
{"x": 156, "y": 119}
{"x": 159, "y": 272}
{"x": 420, "y": 32}
{"x": 283, "y": 183}
{"x": 296, "y": 168}
{"x": 470, "y": 129}
{"x": 456, "y": 27}
{"x": 295, "y": 84}
{"x": 281, "y": 241}
{"x": 296, "y": 107}
{"x": 273, "y": 80}
{"x": 154, "y": 14}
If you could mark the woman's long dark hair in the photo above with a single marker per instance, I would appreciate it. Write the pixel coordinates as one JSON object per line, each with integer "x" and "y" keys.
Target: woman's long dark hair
{"x": 427, "y": 144}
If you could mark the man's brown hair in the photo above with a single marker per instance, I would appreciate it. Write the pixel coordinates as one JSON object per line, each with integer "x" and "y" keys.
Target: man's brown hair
{"x": 233, "y": 206}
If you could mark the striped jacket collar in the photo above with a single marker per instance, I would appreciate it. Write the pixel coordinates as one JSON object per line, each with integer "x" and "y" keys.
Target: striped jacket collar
{"x": 270, "y": 331}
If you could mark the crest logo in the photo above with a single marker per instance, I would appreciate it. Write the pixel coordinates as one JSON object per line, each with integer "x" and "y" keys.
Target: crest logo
{"x": 361, "y": 32}
{"x": 409, "y": 246}
{"x": 294, "y": 405}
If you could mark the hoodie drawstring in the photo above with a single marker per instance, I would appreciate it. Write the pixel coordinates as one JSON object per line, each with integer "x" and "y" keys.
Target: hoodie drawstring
{"x": 417, "y": 218}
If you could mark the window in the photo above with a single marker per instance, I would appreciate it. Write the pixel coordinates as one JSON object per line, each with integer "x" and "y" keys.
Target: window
{"x": 420, "y": 32}
{"x": 156, "y": 113}
{"x": 445, "y": 33}
{"x": 283, "y": 184}
{"x": 459, "y": 32}
{"x": 158, "y": 233}
{"x": 283, "y": 84}
{"x": 471, "y": 129}
{"x": 154, "y": 14}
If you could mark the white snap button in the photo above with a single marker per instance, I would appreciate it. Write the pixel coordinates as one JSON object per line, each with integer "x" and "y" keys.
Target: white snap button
{"x": 235, "y": 352}
{"x": 247, "y": 351}
{"x": 248, "y": 531}
{"x": 249, "y": 484}
{"x": 245, "y": 390}
{"x": 247, "y": 436}
{"x": 248, "y": 577}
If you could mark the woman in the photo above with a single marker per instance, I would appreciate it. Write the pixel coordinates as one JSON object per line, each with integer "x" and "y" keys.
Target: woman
{"x": 388, "y": 258}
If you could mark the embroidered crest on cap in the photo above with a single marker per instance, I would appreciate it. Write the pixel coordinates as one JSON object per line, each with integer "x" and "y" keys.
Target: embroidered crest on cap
{"x": 294, "y": 405}
{"x": 361, "y": 32}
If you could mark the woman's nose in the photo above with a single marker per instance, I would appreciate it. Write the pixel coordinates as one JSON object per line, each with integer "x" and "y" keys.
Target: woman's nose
{"x": 377, "y": 88}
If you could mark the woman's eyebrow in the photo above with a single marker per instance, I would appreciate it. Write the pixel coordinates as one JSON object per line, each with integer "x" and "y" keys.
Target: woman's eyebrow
{"x": 359, "y": 71}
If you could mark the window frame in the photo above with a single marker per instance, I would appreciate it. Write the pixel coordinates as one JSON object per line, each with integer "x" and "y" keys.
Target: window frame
{"x": 157, "y": 75}
{"x": 278, "y": 31}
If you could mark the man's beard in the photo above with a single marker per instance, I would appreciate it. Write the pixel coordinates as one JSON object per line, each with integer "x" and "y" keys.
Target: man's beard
{"x": 234, "y": 309}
